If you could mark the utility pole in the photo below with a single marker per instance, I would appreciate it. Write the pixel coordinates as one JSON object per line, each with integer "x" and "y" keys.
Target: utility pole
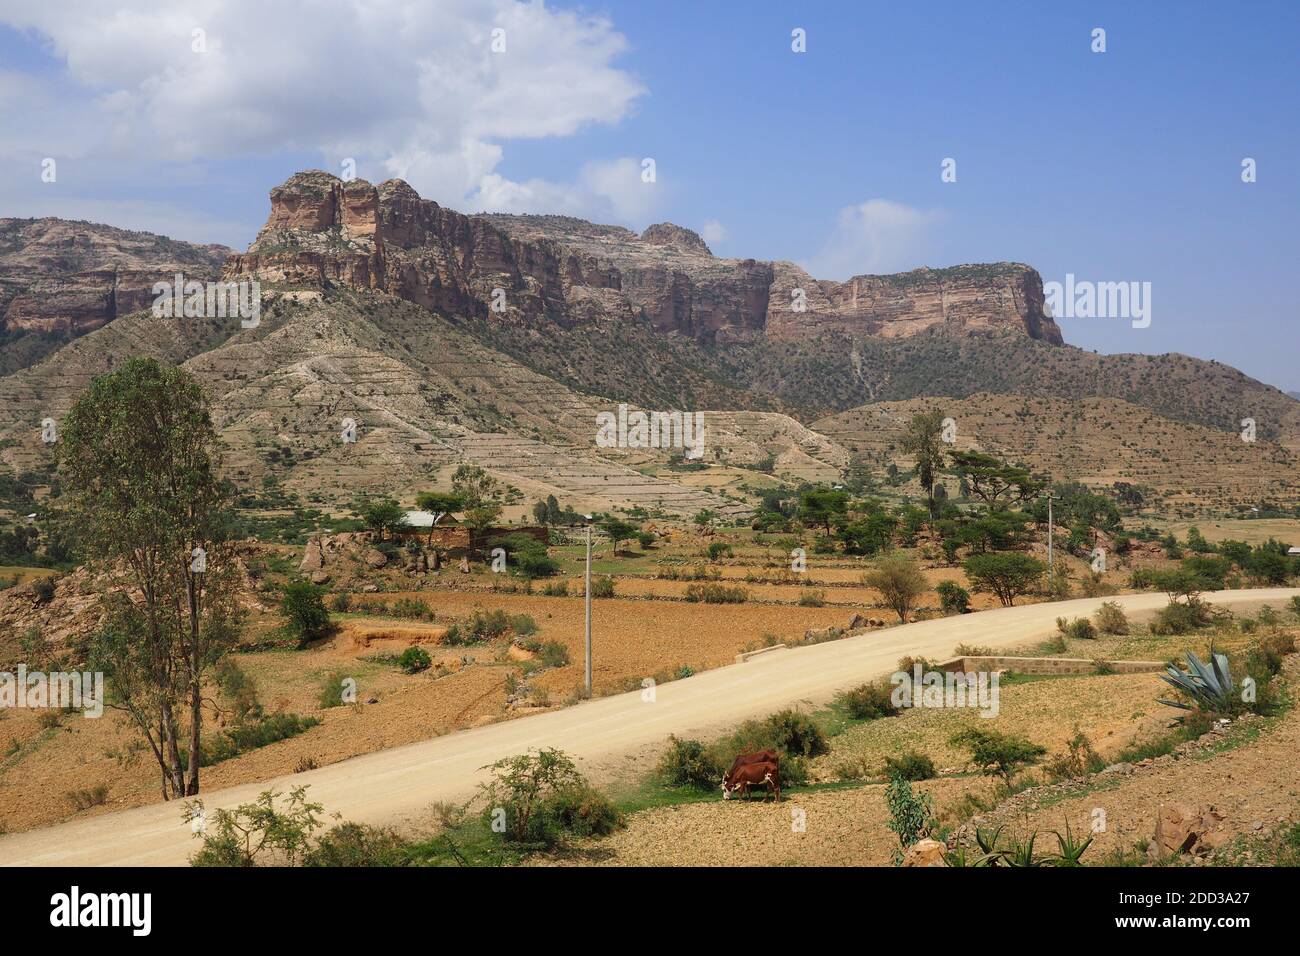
{"x": 588, "y": 614}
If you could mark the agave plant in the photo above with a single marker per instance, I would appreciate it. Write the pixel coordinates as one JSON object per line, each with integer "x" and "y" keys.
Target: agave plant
{"x": 1210, "y": 688}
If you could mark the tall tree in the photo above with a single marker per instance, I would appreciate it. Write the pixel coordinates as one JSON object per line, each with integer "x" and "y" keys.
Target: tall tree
{"x": 480, "y": 494}
{"x": 146, "y": 507}
{"x": 923, "y": 440}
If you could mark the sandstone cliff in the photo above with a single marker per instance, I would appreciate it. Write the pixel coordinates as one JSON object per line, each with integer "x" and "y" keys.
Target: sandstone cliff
{"x": 561, "y": 270}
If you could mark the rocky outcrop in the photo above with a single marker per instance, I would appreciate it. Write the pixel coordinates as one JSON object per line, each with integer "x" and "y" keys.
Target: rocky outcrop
{"x": 964, "y": 299}
{"x": 1181, "y": 828}
{"x": 677, "y": 237}
{"x": 63, "y": 279}
{"x": 532, "y": 269}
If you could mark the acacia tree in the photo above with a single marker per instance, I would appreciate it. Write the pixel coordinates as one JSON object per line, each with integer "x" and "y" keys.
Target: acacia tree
{"x": 993, "y": 481}
{"x": 139, "y": 464}
{"x": 437, "y": 503}
{"x": 618, "y": 530}
{"x": 1005, "y": 574}
{"x": 923, "y": 440}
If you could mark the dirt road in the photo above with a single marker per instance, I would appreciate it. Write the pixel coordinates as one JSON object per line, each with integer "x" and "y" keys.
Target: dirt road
{"x": 393, "y": 785}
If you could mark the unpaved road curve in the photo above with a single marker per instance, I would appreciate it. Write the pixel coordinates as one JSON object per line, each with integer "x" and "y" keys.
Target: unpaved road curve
{"x": 391, "y": 785}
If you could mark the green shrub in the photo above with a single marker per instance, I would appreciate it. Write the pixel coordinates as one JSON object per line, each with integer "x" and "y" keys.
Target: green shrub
{"x": 998, "y": 754}
{"x": 716, "y": 594}
{"x": 302, "y": 605}
{"x": 1080, "y": 628}
{"x": 84, "y": 799}
{"x": 794, "y": 732}
{"x": 412, "y": 608}
{"x": 577, "y": 810}
{"x": 414, "y": 659}
{"x": 602, "y": 586}
{"x": 549, "y": 653}
{"x": 719, "y": 549}
{"x": 257, "y": 833}
{"x": 1179, "y": 618}
{"x": 867, "y": 701}
{"x": 242, "y": 738}
{"x": 342, "y": 603}
{"x": 332, "y": 690}
{"x": 482, "y": 626}
{"x": 527, "y": 556}
{"x": 1078, "y": 760}
{"x": 544, "y": 799}
{"x": 687, "y": 763}
{"x": 812, "y": 599}
{"x": 357, "y": 844}
{"x": 1111, "y": 618}
{"x": 910, "y": 766}
{"x": 558, "y": 588}
{"x": 953, "y": 598}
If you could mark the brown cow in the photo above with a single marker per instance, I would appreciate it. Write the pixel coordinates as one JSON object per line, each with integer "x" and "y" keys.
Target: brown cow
{"x": 758, "y": 756}
{"x": 739, "y": 780}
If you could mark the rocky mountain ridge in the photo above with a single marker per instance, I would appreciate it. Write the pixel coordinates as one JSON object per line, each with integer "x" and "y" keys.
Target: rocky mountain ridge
{"x": 60, "y": 279}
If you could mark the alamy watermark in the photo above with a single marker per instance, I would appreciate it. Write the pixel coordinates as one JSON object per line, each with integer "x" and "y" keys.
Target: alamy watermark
{"x": 212, "y": 300}
{"x": 61, "y": 690}
{"x": 1084, "y": 299}
{"x": 637, "y": 429}
{"x": 938, "y": 689}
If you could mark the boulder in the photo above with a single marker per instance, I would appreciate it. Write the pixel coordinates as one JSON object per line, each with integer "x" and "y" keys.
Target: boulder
{"x": 375, "y": 558}
{"x": 320, "y": 577}
{"x": 925, "y": 853}
{"x": 312, "y": 558}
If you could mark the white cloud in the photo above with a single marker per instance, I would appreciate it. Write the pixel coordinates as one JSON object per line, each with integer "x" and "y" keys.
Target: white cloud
{"x": 408, "y": 88}
{"x": 877, "y": 236}
{"x": 713, "y": 232}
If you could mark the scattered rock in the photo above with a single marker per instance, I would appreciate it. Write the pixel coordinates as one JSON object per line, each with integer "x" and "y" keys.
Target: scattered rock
{"x": 1123, "y": 767}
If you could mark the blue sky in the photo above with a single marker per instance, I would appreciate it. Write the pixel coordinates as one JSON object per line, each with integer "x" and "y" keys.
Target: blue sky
{"x": 1115, "y": 166}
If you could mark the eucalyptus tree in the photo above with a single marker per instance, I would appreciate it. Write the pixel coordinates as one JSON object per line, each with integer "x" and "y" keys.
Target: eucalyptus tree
{"x": 148, "y": 511}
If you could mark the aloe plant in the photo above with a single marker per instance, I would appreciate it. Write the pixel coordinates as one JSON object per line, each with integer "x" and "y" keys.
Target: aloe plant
{"x": 1071, "y": 849}
{"x": 1210, "y": 688}
{"x": 1022, "y": 854}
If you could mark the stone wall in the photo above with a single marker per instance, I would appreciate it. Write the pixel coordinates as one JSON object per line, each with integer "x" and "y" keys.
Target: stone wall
{"x": 1046, "y": 665}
